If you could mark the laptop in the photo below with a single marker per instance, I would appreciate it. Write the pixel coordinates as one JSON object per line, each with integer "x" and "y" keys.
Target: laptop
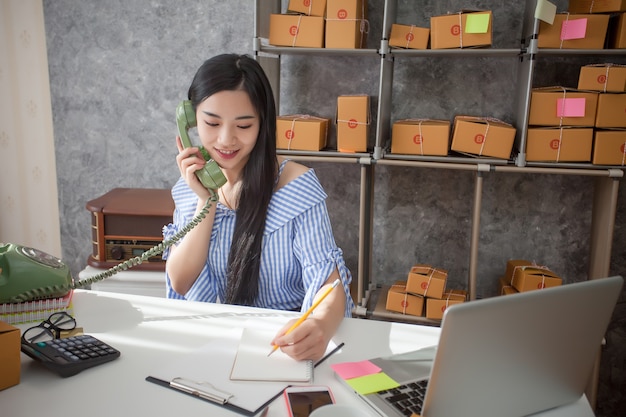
{"x": 512, "y": 355}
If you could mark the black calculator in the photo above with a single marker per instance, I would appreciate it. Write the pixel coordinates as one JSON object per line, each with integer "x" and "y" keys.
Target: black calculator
{"x": 71, "y": 355}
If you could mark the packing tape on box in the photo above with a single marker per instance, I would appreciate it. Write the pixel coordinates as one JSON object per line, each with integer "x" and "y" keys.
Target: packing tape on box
{"x": 486, "y": 120}
{"x": 461, "y": 29}
{"x": 451, "y": 293}
{"x": 409, "y": 38}
{"x": 295, "y": 36}
{"x": 297, "y": 117}
{"x": 430, "y": 278}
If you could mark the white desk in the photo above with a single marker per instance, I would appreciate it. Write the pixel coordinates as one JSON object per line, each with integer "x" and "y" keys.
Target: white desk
{"x": 151, "y": 331}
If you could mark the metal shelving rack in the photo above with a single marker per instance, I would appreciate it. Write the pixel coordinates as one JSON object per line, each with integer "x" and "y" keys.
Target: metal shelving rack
{"x": 606, "y": 183}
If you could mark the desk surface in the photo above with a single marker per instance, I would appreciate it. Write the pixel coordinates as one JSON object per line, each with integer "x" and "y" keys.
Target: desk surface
{"x": 150, "y": 331}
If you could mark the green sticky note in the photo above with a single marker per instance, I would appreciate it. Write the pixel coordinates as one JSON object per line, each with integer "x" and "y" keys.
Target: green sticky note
{"x": 477, "y": 23}
{"x": 372, "y": 383}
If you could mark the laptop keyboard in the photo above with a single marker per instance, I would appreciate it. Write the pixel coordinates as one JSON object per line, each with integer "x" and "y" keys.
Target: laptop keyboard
{"x": 408, "y": 398}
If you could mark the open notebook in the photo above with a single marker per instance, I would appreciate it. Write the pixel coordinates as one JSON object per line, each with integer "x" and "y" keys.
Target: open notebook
{"x": 252, "y": 362}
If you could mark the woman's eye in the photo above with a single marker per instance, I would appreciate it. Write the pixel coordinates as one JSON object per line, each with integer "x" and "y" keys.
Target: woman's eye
{"x": 211, "y": 124}
{"x": 245, "y": 127}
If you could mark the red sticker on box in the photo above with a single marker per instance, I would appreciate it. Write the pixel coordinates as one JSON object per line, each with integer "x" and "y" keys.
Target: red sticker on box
{"x": 555, "y": 144}
{"x": 289, "y": 134}
{"x": 424, "y": 285}
{"x": 342, "y": 14}
{"x": 455, "y": 30}
{"x": 293, "y": 30}
{"x": 352, "y": 123}
{"x": 479, "y": 138}
{"x": 417, "y": 139}
{"x": 409, "y": 37}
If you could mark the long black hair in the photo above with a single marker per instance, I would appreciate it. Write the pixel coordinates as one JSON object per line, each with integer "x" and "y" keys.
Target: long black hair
{"x": 241, "y": 72}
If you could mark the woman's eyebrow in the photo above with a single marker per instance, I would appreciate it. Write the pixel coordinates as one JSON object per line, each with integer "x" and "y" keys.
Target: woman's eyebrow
{"x": 208, "y": 113}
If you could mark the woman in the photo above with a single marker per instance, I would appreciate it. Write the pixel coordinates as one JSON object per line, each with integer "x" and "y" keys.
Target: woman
{"x": 268, "y": 242}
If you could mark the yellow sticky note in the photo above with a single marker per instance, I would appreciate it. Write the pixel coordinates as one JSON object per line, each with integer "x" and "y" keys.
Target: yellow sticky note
{"x": 477, "y": 23}
{"x": 372, "y": 383}
{"x": 545, "y": 11}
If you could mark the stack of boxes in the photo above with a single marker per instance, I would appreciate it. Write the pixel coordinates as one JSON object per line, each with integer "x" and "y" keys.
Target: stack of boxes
{"x": 561, "y": 124}
{"x": 569, "y": 125}
{"x": 609, "y": 138}
{"x": 340, "y": 24}
{"x": 522, "y": 275}
{"x": 321, "y": 24}
{"x": 583, "y": 124}
{"x": 424, "y": 293}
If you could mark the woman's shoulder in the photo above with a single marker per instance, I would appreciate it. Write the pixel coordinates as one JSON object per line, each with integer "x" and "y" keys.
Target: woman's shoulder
{"x": 289, "y": 171}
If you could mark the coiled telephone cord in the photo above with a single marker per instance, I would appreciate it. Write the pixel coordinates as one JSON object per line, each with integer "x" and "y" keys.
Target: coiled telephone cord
{"x": 45, "y": 291}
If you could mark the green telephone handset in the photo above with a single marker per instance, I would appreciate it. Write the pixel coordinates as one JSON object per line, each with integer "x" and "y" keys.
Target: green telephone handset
{"x": 29, "y": 274}
{"x": 210, "y": 176}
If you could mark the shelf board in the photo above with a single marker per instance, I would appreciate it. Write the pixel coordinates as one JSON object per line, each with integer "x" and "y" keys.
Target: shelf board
{"x": 287, "y": 50}
{"x": 326, "y": 155}
{"x": 457, "y": 52}
{"x": 578, "y": 52}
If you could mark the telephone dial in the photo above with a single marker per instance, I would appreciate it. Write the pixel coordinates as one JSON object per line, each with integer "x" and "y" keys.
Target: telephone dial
{"x": 29, "y": 274}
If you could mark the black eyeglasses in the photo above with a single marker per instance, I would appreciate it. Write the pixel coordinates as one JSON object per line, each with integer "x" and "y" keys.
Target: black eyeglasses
{"x": 50, "y": 328}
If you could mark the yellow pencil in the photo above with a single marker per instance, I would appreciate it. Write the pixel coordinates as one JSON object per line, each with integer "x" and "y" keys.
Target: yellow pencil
{"x": 309, "y": 311}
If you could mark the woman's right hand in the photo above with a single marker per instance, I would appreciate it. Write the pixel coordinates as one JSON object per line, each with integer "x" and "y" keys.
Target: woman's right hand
{"x": 189, "y": 160}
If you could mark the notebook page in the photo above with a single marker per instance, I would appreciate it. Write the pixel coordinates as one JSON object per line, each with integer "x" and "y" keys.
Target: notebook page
{"x": 253, "y": 364}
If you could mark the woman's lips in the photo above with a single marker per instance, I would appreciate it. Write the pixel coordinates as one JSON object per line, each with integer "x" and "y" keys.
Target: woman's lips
{"x": 227, "y": 154}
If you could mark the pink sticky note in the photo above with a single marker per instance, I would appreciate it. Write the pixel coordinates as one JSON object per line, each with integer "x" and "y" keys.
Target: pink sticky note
{"x": 570, "y": 107}
{"x": 349, "y": 370}
{"x": 574, "y": 29}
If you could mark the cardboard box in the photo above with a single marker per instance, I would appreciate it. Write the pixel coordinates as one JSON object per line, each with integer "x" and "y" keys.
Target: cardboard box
{"x": 353, "y": 119}
{"x": 346, "y": 24}
{"x": 436, "y": 307}
{"x": 609, "y": 147}
{"x": 483, "y": 136}
{"x": 533, "y": 277}
{"x": 301, "y": 132}
{"x": 611, "y": 110}
{"x": 553, "y": 144}
{"x": 296, "y": 30}
{"x": 420, "y": 137}
{"x": 596, "y": 6}
{"x": 400, "y": 301}
{"x": 308, "y": 7}
{"x": 9, "y": 355}
{"x": 505, "y": 287}
{"x": 574, "y": 31}
{"x": 561, "y": 106}
{"x": 617, "y": 31}
{"x": 607, "y": 78}
{"x": 512, "y": 265}
{"x": 427, "y": 281}
{"x": 461, "y": 30}
{"x": 409, "y": 36}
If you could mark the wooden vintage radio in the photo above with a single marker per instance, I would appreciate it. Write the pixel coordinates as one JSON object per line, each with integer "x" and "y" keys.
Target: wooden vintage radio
{"x": 125, "y": 223}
